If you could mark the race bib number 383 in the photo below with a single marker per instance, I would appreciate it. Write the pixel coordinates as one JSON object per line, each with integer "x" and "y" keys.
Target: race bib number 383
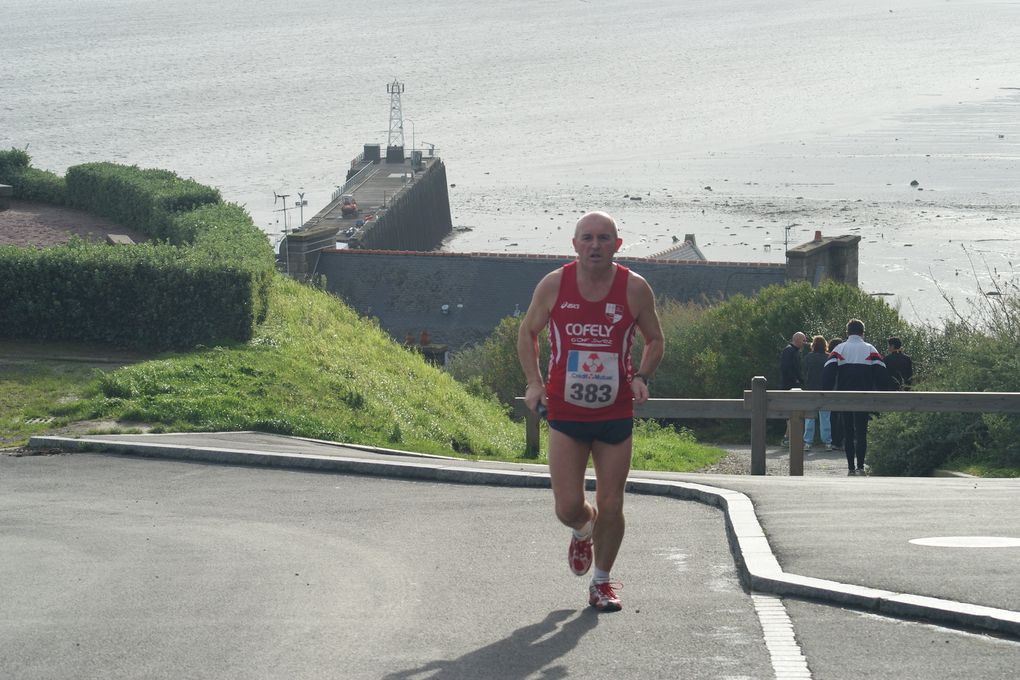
{"x": 593, "y": 378}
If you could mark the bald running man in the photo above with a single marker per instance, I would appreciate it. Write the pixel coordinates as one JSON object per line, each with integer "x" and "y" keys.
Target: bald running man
{"x": 592, "y": 307}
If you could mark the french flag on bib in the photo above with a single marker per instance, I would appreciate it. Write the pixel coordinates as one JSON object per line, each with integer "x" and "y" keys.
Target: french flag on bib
{"x": 573, "y": 361}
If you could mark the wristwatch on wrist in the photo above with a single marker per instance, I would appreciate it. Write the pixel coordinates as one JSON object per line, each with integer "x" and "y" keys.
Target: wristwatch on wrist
{"x": 648, "y": 381}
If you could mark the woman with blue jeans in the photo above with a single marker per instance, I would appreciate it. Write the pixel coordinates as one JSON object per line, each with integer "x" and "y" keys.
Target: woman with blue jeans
{"x": 813, "y": 364}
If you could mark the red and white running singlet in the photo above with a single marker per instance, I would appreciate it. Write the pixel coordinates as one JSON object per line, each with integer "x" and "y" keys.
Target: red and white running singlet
{"x": 590, "y": 367}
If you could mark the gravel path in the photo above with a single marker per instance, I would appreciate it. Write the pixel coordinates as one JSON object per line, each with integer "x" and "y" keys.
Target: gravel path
{"x": 36, "y": 224}
{"x": 817, "y": 462}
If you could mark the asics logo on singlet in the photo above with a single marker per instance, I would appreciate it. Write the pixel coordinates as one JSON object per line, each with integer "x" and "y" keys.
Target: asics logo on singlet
{"x": 570, "y": 305}
{"x": 589, "y": 330}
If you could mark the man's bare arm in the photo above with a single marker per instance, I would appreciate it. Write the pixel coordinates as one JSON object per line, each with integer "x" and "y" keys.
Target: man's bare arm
{"x": 642, "y": 302}
{"x": 534, "y": 321}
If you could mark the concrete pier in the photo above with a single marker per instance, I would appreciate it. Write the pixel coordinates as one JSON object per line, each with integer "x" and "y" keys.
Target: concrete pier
{"x": 402, "y": 204}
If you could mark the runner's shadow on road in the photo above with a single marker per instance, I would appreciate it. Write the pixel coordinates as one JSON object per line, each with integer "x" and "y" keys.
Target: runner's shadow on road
{"x": 527, "y": 651}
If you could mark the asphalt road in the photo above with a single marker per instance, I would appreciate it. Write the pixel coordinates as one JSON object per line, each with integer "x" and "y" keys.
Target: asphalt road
{"x": 130, "y": 568}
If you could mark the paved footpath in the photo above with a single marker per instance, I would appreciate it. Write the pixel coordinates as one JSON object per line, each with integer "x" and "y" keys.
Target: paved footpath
{"x": 168, "y": 556}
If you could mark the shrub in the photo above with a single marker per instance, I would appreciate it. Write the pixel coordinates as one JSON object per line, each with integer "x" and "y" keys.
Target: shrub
{"x": 151, "y": 296}
{"x": 711, "y": 352}
{"x": 41, "y": 186}
{"x": 12, "y": 163}
{"x": 914, "y": 444}
{"x": 223, "y": 235}
{"x": 976, "y": 358}
{"x": 144, "y": 199}
{"x": 493, "y": 362}
{"x": 206, "y": 283}
{"x": 31, "y": 184}
{"x": 714, "y": 352}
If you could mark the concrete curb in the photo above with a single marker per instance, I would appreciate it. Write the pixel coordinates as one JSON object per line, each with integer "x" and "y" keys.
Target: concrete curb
{"x": 756, "y": 563}
{"x": 951, "y": 473}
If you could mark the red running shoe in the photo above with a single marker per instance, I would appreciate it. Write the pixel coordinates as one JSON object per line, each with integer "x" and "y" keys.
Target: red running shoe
{"x": 603, "y": 597}
{"x": 579, "y": 553}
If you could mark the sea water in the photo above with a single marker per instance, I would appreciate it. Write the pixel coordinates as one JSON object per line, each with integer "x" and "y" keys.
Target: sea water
{"x": 750, "y": 124}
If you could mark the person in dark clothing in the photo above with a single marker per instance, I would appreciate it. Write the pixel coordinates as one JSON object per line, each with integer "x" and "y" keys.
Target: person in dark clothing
{"x": 814, "y": 362}
{"x": 789, "y": 363}
{"x": 836, "y": 417}
{"x": 789, "y": 370}
{"x": 899, "y": 365}
{"x": 855, "y": 366}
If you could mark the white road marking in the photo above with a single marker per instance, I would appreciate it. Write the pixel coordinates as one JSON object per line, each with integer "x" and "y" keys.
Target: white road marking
{"x": 788, "y": 662}
{"x": 968, "y": 541}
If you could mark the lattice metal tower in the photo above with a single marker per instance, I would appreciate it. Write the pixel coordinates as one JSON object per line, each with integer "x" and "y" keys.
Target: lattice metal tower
{"x": 396, "y": 115}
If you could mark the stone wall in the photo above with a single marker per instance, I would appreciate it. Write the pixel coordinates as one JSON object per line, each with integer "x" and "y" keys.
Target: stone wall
{"x": 832, "y": 257}
{"x": 419, "y": 218}
{"x": 459, "y": 298}
{"x": 299, "y": 252}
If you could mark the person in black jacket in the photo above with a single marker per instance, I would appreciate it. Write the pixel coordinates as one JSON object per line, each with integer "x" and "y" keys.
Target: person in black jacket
{"x": 901, "y": 368}
{"x": 789, "y": 363}
{"x": 855, "y": 366}
{"x": 789, "y": 370}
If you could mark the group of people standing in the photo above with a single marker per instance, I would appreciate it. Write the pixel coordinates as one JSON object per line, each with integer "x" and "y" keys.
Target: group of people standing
{"x": 849, "y": 365}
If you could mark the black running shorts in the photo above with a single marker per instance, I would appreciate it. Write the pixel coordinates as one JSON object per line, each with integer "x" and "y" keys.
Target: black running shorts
{"x": 607, "y": 431}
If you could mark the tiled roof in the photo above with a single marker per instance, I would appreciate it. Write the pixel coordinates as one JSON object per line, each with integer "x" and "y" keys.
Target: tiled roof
{"x": 683, "y": 251}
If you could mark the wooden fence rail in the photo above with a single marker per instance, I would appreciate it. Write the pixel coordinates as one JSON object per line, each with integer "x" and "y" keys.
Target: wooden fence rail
{"x": 759, "y": 404}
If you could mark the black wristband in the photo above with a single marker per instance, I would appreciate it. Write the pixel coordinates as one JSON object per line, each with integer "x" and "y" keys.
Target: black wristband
{"x": 643, "y": 377}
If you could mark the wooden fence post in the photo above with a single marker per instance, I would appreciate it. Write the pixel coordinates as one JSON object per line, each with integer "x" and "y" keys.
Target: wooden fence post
{"x": 759, "y": 406}
{"x": 797, "y": 443}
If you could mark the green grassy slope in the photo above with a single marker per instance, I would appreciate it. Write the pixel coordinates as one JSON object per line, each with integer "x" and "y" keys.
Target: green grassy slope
{"x": 314, "y": 369}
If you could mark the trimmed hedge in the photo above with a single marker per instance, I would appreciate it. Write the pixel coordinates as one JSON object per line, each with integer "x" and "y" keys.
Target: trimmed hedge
{"x": 204, "y": 280}
{"x": 223, "y": 236}
{"x": 148, "y": 296}
{"x": 31, "y": 184}
{"x": 146, "y": 200}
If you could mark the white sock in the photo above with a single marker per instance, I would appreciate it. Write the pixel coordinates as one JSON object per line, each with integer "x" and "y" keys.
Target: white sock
{"x": 585, "y": 531}
{"x": 599, "y": 576}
